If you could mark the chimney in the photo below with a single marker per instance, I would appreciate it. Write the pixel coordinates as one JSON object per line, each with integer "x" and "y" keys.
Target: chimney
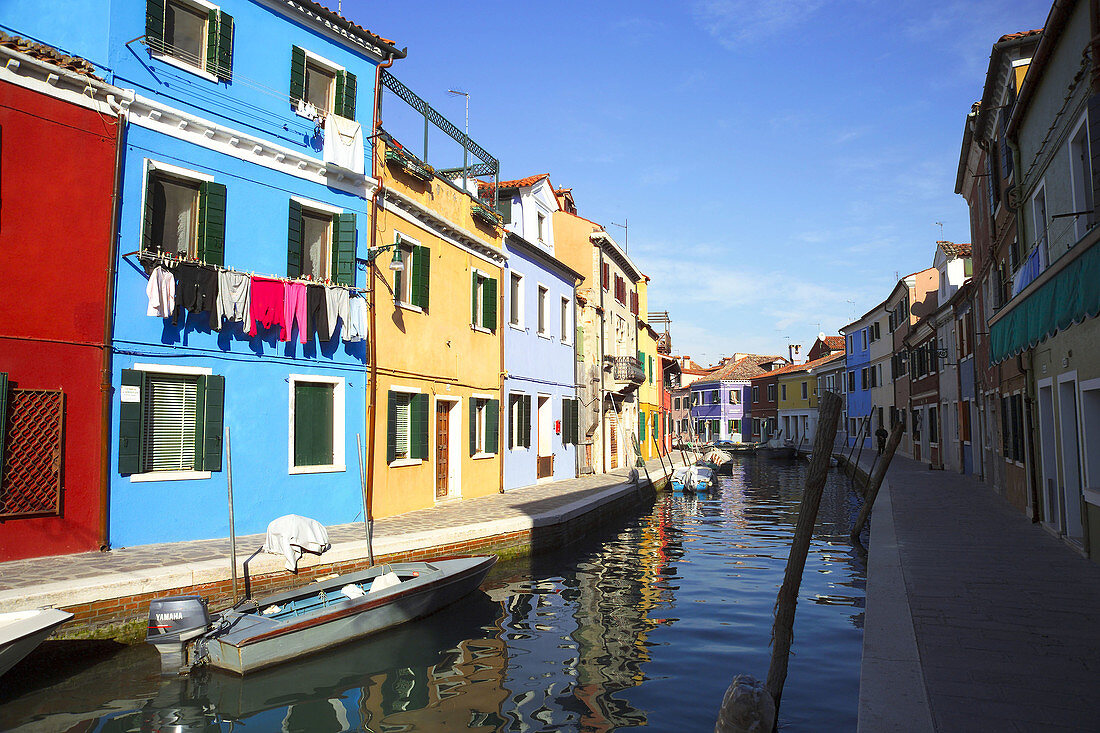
{"x": 793, "y": 353}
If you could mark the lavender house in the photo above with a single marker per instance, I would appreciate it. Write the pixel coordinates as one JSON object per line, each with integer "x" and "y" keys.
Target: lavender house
{"x": 720, "y": 401}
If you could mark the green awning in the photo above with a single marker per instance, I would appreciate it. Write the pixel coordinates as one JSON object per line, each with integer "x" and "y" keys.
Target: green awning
{"x": 1067, "y": 298}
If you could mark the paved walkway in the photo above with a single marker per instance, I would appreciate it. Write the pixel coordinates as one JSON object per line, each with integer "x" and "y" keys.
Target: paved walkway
{"x": 92, "y": 576}
{"x": 977, "y": 619}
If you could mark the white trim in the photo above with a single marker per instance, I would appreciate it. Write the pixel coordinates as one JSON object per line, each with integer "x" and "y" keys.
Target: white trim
{"x": 479, "y": 456}
{"x": 311, "y": 56}
{"x": 45, "y": 78}
{"x": 482, "y": 396}
{"x": 402, "y": 462}
{"x": 338, "y": 464}
{"x": 402, "y": 241}
{"x": 316, "y": 205}
{"x": 521, "y": 322}
{"x": 167, "y": 58}
{"x": 178, "y": 171}
{"x": 406, "y": 390}
{"x": 138, "y": 478}
{"x": 158, "y": 117}
{"x": 172, "y": 369}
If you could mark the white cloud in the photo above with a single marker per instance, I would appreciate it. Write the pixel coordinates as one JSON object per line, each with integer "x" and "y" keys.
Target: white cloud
{"x": 736, "y": 22}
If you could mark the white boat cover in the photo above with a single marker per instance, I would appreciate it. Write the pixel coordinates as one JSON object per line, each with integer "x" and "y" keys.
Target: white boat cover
{"x": 291, "y": 536}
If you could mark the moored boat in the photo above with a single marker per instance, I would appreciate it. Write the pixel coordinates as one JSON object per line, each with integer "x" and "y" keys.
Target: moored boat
{"x": 22, "y": 631}
{"x": 261, "y": 633}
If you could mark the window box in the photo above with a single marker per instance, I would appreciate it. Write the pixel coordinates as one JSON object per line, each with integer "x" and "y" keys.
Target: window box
{"x": 486, "y": 214}
{"x": 410, "y": 165}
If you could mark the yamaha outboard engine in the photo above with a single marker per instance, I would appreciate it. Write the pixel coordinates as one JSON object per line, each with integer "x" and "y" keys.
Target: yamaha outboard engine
{"x": 173, "y": 623}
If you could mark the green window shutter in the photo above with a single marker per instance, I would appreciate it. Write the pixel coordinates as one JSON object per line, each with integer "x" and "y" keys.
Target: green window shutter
{"x": 421, "y": 268}
{"x": 513, "y": 421}
{"x": 391, "y": 429}
{"x": 473, "y": 299}
{"x": 129, "y": 422}
{"x": 213, "y": 426}
{"x": 314, "y": 434}
{"x": 566, "y": 420}
{"x": 346, "y": 88}
{"x": 212, "y": 223}
{"x": 3, "y": 415}
{"x": 147, "y": 219}
{"x": 219, "y": 44}
{"x": 492, "y": 426}
{"x": 651, "y": 370}
{"x": 418, "y": 422}
{"x": 297, "y": 75}
{"x": 641, "y": 426}
{"x": 154, "y": 24}
{"x": 294, "y": 241}
{"x": 343, "y": 249}
{"x": 473, "y": 425}
{"x": 526, "y": 424}
{"x": 580, "y": 343}
{"x": 575, "y": 407}
{"x": 490, "y": 303}
{"x": 504, "y": 206}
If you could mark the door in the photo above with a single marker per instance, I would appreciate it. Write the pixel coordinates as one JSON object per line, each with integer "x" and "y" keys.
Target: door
{"x": 1071, "y": 460}
{"x": 545, "y": 465}
{"x": 613, "y": 447}
{"x": 442, "y": 448}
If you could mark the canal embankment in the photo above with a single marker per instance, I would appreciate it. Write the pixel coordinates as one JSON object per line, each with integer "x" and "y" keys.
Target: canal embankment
{"x": 977, "y": 618}
{"x": 109, "y": 592}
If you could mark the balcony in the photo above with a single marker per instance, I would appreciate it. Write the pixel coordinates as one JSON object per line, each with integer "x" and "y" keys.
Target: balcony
{"x": 627, "y": 369}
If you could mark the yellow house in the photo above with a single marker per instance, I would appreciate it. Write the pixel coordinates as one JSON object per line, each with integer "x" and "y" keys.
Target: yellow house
{"x": 649, "y": 428}
{"x": 797, "y": 400}
{"x": 436, "y": 359}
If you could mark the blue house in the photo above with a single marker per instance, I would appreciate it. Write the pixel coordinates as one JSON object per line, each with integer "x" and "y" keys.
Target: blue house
{"x": 245, "y": 189}
{"x": 859, "y": 378}
{"x": 542, "y": 419}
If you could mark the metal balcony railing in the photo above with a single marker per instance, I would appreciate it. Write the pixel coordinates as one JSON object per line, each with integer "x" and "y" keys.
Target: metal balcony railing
{"x": 627, "y": 369}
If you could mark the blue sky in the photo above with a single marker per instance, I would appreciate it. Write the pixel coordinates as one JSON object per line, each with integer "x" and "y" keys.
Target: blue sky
{"x": 779, "y": 162}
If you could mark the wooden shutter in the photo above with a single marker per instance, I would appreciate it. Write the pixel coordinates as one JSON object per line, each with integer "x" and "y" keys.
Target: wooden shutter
{"x": 212, "y": 222}
{"x": 579, "y": 343}
{"x": 513, "y": 420}
{"x": 566, "y": 420}
{"x": 492, "y": 426}
{"x": 129, "y": 422}
{"x": 154, "y": 24}
{"x": 391, "y": 428}
{"x": 418, "y": 430}
{"x": 489, "y": 301}
{"x": 294, "y": 241}
{"x": 575, "y": 408}
{"x": 473, "y": 425}
{"x": 641, "y": 426}
{"x": 474, "y": 277}
{"x": 421, "y": 275}
{"x": 504, "y": 207}
{"x": 605, "y": 275}
{"x": 346, "y": 88}
{"x": 213, "y": 426}
{"x": 219, "y": 44}
{"x": 525, "y": 424}
{"x": 147, "y": 216}
{"x": 313, "y": 424}
{"x": 297, "y": 75}
{"x": 343, "y": 249}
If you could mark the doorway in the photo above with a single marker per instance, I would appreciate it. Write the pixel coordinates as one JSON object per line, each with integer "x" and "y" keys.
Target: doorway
{"x": 1048, "y": 459}
{"x": 613, "y": 438}
{"x": 545, "y": 461}
{"x": 1071, "y": 459}
{"x": 446, "y": 450}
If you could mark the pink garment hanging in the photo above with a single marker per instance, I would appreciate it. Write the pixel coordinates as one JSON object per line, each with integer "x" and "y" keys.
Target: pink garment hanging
{"x": 295, "y": 308}
{"x": 267, "y": 306}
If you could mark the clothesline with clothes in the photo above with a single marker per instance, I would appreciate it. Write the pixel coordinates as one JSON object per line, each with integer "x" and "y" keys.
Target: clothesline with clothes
{"x": 177, "y": 284}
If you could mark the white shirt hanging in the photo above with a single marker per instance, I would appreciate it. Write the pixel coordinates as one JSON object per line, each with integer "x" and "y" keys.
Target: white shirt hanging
{"x": 343, "y": 146}
{"x": 162, "y": 293}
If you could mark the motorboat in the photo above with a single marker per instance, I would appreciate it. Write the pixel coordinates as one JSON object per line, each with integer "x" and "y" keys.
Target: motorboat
{"x": 22, "y": 631}
{"x": 680, "y": 478}
{"x": 721, "y": 458}
{"x": 255, "y": 634}
{"x": 703, "y": 478}
{"x": 777, "y": 447}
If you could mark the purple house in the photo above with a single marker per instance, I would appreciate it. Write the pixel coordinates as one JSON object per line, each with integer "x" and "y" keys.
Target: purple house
{"x": 720, "y": 401}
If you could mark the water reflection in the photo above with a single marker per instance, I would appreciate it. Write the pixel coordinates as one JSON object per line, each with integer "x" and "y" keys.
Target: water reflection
{"x": 643, "y": 625}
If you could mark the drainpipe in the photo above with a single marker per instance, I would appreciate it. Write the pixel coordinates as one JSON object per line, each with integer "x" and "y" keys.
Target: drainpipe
{"x": 599, "y": 370}
{"x": 105, "y": 388}
{"x": 372, "y": 342}
{"x": 503, "y": 374}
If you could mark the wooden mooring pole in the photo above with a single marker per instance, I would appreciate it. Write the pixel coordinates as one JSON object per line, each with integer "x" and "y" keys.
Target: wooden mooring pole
{"x": 746, "y": 707}
{"x": 875, "y": 480}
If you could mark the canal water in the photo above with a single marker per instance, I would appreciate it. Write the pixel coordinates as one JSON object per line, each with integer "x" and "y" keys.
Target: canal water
{"x": 643, "y": 625}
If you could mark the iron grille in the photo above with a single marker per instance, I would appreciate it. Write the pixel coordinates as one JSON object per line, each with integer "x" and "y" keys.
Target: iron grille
{"x": 30, "y": 482}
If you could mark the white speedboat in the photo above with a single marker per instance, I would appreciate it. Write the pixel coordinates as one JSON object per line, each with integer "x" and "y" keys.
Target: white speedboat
{"x": 22, "y": 631}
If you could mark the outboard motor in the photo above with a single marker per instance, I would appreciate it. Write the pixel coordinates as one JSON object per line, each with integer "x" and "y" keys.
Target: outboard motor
{"x": 173, "y": 622}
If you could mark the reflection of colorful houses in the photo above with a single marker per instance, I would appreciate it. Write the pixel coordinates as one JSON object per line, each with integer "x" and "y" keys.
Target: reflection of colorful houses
{"x": 723, "y": 399}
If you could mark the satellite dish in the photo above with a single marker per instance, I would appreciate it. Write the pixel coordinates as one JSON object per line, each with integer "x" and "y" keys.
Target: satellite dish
{"x": 821, "y": 336}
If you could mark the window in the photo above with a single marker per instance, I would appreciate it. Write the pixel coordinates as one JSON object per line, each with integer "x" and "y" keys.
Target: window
{"x": 851, "y": 344}
{"x": 605, "y": 275}
{"x": 933, "y": 425}
{"x": 634, "y": 302}
{"x": 515, "y": 300}
{"x": 735, "y": 396}
{"x": 412, "y": 284}
{"x": 676, "y": 403}
{"x": 484, "y": 420}
{"x": 406, "y": 427}
{"x": 805, "y": 393}
{"x": 566, "y": 321}
{"x": 184, "y": 214}
{"x": 519, "y": 421}
{"x": 316, "y": 424}
{"x": 483, "y": 302}
{"x": 620, "y": 290}
{"x": 1081, "y": 180}
{"x": 320, "y": 243}
{"x": 964, "y": 421}
{"x": 731, "y": 424}
{"x": 918, "y": 416}
{"x": 715, "y": 397}
{"x": 782, "y": 391}
{"x": 170, "y": 422}
{"x": 852, "y": 381}
{"x": 863, "y": 336}
{"x": 1039, "y": 222}
{"x": 541, "y": 220}
{"x": 771, "y": 393}
{"x": 320, "y": 84}
{"x": 543, "y": 294}
{"x": 191, "y": 35}
{"x": 755, "y": 394}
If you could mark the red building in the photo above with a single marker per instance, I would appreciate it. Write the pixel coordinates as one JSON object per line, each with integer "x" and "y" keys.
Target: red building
{"x": 58, "y": 157}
